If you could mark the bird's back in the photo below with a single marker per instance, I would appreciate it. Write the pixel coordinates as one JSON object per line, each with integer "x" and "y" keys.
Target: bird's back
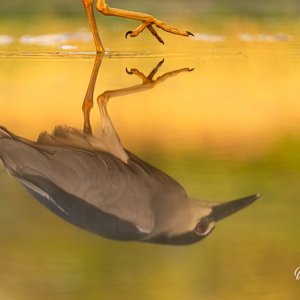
{"x": 73, "y": 165}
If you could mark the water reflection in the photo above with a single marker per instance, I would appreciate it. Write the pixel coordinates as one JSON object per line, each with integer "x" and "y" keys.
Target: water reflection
{"x": 94, "y": 183}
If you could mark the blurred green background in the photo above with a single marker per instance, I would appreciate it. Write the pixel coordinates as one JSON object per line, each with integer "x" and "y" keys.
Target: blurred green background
{"x": 256, "y": 7}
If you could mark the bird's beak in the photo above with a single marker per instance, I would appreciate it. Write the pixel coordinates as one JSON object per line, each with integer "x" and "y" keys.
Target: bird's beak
{"x": 224, "y": 210}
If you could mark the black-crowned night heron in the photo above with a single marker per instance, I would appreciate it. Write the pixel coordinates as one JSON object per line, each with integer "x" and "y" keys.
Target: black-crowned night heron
{"x": 94, "y": 183}
{"x": 147, "y": 22}
{"x": 97, "y": 185}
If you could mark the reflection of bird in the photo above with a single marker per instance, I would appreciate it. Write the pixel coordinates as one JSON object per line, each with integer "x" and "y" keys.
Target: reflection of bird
{"x": 94, "y": 183}
{"x": 97, "y": 185}
{"x": 147, "y": 21}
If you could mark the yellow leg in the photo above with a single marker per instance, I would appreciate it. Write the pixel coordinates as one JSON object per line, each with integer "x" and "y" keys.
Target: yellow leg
{"x": 147, "y": 20}
{"x": 88, "y": 5}
{"x": 88, "y": 101}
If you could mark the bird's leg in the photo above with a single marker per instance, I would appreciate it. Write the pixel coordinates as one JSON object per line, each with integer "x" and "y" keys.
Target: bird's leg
{"x": 88, "y": 99}
{"x": 171, "y": 74}
{"x": 147, "y": 20}
{"x": 154, "y": 71}
{"x": 108, "y": 135}
{"x": 88, "y": 5}
{"x": 149, "y": 82}
{"x": 149, "y": 78}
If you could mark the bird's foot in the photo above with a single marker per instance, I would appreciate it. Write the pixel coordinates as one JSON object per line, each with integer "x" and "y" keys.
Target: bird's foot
{"x": 160, "y": 25}
{"x": 147, "y": 21}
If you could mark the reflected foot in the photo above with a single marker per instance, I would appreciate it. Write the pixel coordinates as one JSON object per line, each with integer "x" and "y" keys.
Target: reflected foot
{"x": 147, "y": 21}
{"x": 148, "y": 81}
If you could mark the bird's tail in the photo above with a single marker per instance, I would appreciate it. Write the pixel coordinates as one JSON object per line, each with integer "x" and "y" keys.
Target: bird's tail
{"x": 4, "y": 133}
{"x": 17, "y": 153}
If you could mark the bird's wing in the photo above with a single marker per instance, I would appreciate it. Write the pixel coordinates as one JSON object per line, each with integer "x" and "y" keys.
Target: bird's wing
{"x": 107, "y": 140}
{"x": 80, "y": 212}
{"x": 165, "y": 185}
{"x": 99, "y": 178}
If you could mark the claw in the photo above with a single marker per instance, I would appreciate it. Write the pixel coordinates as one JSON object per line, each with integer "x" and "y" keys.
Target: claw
{"x": 189, "y": 33}
{"x": 128, "y": 32}
{"x": 128, "y": 72}
{"x": 152, "y": 30}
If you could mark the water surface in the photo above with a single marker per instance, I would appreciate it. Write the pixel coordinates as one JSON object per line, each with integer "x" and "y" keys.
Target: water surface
{"x": 228, "y": 129}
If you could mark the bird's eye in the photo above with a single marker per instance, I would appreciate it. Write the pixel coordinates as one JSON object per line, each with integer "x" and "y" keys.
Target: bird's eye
{"x": 201, "y": 227}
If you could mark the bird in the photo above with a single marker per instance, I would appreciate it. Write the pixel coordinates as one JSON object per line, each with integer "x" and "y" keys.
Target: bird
{"x": 113, "y": 194}
{"x": 94, "y": 183}
{"x": 146, "y": 19}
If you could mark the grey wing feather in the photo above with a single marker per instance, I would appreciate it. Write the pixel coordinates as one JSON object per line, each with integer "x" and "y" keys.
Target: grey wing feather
{"x": 107, "y": 141}
{"x": 166, "y": 185}
{"x": 99, "y": 178}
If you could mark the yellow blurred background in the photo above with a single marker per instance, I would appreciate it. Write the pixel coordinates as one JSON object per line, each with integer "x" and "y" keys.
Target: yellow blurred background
{"x": 227, "y": 129}
{"x": 240, "y": 99}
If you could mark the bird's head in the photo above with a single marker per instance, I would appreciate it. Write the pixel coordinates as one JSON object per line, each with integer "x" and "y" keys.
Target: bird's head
{"x": 198, "y": 221}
